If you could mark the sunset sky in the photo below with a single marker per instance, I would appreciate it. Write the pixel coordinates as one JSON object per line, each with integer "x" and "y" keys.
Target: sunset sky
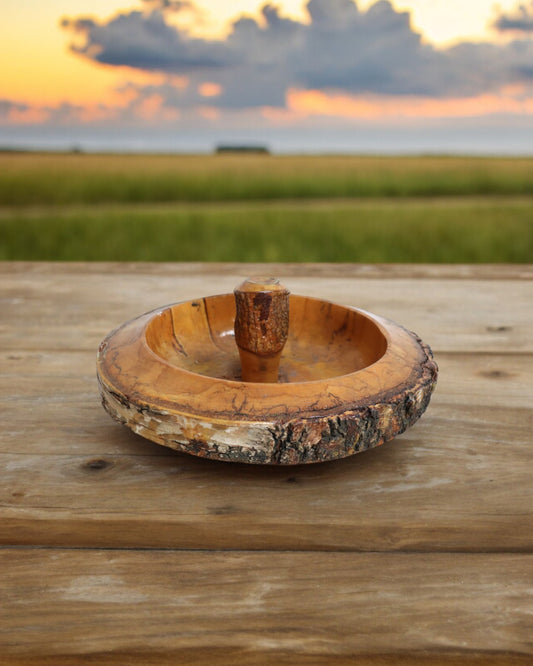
{"x": 184, "y": 65}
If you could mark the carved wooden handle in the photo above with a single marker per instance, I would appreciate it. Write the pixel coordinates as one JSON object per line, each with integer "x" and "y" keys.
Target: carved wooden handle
{"x": 261, "y": 327}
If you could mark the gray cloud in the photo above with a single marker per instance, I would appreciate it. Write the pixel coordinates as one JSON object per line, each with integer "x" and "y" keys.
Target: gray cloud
{"x": 7, "y": 106}
{"x": 144, "y": 41}
{"x": 340, "y": 49}
{"x": 376, "y": 51}
{"x": 521, "y": 20}
{"x": 171, "y": 5}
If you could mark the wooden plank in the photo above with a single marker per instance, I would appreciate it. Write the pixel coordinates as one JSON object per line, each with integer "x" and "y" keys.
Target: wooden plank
{"x": 69, "y": 466}
{"x": 450, "y": 483}
{"x": 259, "y": 606}
{"x": 72, "y": 477}
{"x": 59, "y": 311}
{"x": 499, "y": 380}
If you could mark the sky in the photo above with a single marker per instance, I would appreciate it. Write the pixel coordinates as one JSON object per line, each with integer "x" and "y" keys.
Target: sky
{"x": 335, "y": 73}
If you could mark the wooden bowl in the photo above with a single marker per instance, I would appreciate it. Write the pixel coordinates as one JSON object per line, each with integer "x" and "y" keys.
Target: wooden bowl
{"x": 348, "y": 381}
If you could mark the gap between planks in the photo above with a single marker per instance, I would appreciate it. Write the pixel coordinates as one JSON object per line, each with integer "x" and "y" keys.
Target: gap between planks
{"x": 226, "y": 657}
{"x": 511, "y": 272}
{"x": 262, "y": 551}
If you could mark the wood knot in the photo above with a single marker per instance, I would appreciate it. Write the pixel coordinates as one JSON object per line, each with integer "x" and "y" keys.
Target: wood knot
{"x": 495, "y": 374}
{"x": 96, "y": 465}
{"x": 499, "y": 329}
{"x": 225, "y": 510}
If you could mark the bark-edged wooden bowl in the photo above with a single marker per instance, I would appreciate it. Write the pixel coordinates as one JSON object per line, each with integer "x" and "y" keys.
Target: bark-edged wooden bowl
{"x": 348, "y": 380}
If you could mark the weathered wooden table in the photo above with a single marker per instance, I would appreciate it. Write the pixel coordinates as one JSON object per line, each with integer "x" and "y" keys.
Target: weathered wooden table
{"x": 117, "y": 550}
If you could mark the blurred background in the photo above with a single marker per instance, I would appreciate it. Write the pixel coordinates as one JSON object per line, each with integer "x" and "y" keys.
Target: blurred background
{"x": 323, "y": 130}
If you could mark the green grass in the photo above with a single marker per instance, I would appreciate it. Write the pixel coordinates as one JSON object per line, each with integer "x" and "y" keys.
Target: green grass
{"x": 58, "y": 179}
{"x": 421, "y": 231}
{"x": 265, "y": 208}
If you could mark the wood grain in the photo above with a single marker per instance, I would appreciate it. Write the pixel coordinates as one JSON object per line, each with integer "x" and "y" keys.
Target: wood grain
{"x": 484, "y": 379}
{"x": 58, "y": 312}
{"x": 71, "y": 476}
{"x": 410, "y": 495}
{"x": 313, "y": 605}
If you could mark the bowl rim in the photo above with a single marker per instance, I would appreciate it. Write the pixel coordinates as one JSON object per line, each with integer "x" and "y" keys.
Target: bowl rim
{"x": 130, "y": 370}
{"x": 382, "y": 330}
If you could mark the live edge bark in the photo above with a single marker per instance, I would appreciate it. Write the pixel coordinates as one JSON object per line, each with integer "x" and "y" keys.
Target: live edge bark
{"x": 293, "y": 441}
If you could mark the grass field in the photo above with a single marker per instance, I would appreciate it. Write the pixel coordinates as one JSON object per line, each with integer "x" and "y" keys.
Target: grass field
{"x": 48, "y": 179}
{"x": 265, "y": 208}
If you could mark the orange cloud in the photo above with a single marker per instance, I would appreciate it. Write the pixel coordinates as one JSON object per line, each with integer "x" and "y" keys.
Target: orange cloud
{"x": 152, "y": 108}
{"x": 146, "y": 78}
{"x": 149, "y": 108}
{"x": 29, "y": 116}
{"x": 149, "y": 104}
{"x": 93, "y": 114}
{"x": 209, "y": 113}
{"x": 209, "y": 89}
{"x": 315, "y": 102}
{"x": 371, "y": 107}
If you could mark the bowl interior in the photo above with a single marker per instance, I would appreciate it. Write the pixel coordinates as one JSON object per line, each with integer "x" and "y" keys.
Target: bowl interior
{"x": 325, "y": 340}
